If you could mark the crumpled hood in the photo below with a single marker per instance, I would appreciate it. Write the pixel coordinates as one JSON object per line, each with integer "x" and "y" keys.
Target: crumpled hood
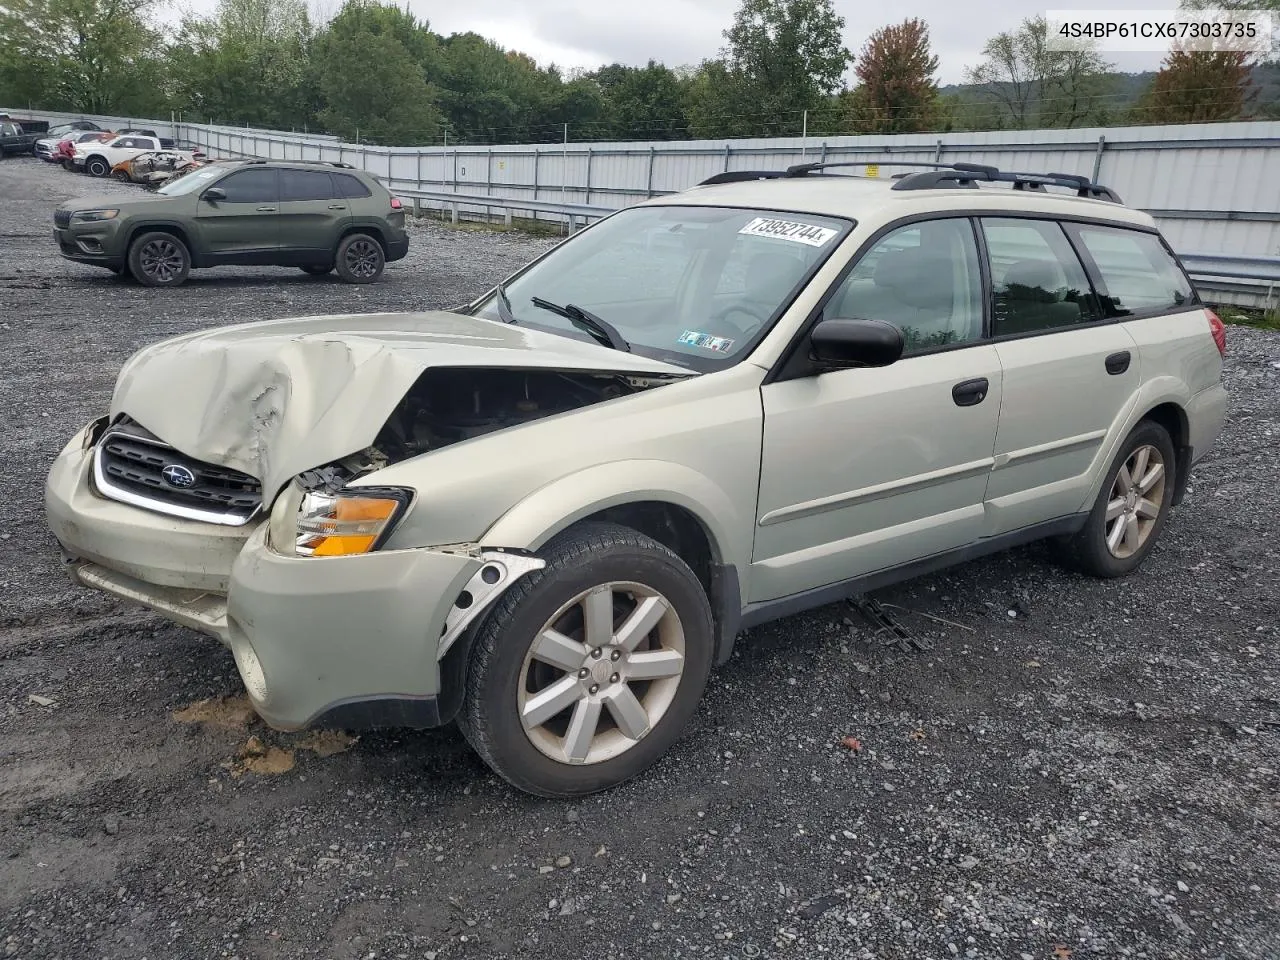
{"x": 274, "y": 399}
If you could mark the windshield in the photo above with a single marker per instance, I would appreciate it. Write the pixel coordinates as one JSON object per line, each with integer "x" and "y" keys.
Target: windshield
{"x": 193, "y": 180}
{"x": 695, "y": 286}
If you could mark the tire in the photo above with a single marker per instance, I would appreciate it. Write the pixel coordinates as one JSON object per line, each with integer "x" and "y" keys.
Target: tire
{"x": 505, "y": 680}
{"x": 316, "y": 270}
{"x": 68, "y": 166}
{"x": 121, "y": 176}
{"x": 97, "y": 167}
{"x": 1095, "y": 549}
{"x": 159, "y": 260}
{"x": 360, "y": 258}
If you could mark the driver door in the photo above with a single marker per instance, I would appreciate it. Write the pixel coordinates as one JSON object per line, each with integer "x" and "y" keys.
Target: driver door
{"x": 871, "y": 468}
{"x": 244, "y": 226}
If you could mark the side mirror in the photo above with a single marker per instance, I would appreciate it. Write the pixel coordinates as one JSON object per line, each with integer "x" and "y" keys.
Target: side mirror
{"x": 214, "y": 194}
{"x": 838, "y": 343}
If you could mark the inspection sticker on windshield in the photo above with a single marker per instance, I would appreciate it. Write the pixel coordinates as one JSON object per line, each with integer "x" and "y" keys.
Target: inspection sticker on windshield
{"x": 705, "y": 341}
{"x": 792, "y": 230}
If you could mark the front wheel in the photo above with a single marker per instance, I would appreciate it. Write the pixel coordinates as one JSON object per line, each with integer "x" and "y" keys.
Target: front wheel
{"x": 159, "y": 260}
{"x": 97, "y": 167}
{"x": 586, "y": 671}
{"x": 360, "y": 259}
{"x": 1131, "y": 508}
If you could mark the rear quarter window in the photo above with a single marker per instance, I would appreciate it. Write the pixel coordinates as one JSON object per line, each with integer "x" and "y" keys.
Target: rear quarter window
{"x": 1137, "y": 271}
{"x": 352, "y": 188}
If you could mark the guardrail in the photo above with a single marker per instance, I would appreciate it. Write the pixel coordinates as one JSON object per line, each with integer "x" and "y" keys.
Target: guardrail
{"x": 454, "y": 202}
{"x": 1232, "y": 266}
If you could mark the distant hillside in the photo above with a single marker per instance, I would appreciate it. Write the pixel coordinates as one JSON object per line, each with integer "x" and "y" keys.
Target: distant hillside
{"x": 1123, "y": 90}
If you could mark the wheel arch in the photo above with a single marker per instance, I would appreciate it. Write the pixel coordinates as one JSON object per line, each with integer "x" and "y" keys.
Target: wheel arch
{"x": 371, "y": 229}
{"x": 1173, "y": 417}
{"x": 162, "y": 226}
{"x": 671, "y": 503}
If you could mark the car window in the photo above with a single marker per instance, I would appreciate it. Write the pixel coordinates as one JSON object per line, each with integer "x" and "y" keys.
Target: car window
{"x": 1136, "y": 269}
{"x": 924, "y": 279}
{"x": 352, "y": 187}
{"x": 8, "y": 130}
{"x": 305, "y": 185}
{"x": 250, "y": 186}
{"x": 1038, "y": 282}
{"x": 690, "y": 285}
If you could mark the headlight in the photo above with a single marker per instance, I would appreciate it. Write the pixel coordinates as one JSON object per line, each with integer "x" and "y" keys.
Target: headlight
{"x": 92, "y": 216}
{"x": 343, "y": 524}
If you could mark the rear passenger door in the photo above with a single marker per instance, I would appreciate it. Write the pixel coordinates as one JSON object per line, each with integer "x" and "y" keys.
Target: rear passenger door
{"x": 312, "y": 216}
{"x": 1070, "y": 373}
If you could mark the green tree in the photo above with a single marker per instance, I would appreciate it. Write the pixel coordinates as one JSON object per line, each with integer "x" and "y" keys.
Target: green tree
{"x": 783, "y": 57}
{"x": 642, "y": 103}
{"x": 1197, "y": 86}
{"x": 1027, "y": 83}
{"x": 374, "y": 66}
{"x": 94, "y": 56}
{"x": 246, "y": 64}
{"x": 898, "y": 92}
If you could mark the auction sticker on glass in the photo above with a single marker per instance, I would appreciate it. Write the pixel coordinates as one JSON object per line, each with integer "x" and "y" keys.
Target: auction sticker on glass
{"x": 793, "y": 230}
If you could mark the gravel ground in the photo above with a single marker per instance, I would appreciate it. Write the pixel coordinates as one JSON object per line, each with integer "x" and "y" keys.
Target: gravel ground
{"x": 1077, "y": 768}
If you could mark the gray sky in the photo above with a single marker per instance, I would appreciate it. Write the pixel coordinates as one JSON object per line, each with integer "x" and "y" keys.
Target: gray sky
{"x": 587, "y": 33}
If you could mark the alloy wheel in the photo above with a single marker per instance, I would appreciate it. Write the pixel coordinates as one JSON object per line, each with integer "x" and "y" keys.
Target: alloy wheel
{"x": 1136, "y": 499}
{"x": 363, "y": 258}
{"x": 161, "y": 260}
{"x": 601, "y": 673}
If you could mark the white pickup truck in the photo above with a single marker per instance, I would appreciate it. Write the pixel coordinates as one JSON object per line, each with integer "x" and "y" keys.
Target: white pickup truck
{"x": 97, "y": 159}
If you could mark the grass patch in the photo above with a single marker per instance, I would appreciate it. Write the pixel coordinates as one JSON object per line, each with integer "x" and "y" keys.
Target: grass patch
{"x": 1250, "y": 317}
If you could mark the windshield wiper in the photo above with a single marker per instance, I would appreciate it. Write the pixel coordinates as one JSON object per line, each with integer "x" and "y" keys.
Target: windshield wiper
{"x": 504, "y": 306}
{"x": 602, "y": 330}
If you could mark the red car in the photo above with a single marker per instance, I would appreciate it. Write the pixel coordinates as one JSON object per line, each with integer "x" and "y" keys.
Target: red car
{"x": 66, "y": 149}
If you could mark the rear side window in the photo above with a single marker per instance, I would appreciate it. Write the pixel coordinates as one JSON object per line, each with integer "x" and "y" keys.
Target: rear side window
{"x": 1137, "y": 271}
{"x": 1038, "y": 282}
{"x": 351, "y": 187}
{"x": 250, "y": 186}
{"x": 305, "y": 185}
{"x": 8, "y": 130}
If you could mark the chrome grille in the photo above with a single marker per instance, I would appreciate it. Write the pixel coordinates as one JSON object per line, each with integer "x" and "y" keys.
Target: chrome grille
{"x": 148, "y": 473}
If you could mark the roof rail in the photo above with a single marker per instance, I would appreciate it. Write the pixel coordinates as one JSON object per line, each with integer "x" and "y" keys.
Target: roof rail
{"x": 324, "y": 163}
{"x": 935, "y": 176}
{"x": 968, "y": 175}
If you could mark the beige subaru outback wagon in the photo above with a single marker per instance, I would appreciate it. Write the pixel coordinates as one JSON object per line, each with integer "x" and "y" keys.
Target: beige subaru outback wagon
{"x": 548, "y": 514}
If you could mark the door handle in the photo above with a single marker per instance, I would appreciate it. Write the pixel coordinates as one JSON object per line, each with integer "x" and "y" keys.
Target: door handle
{"x": 968, "y": 393}
{"x": 1118, "y": 363}
{"x": 337, "y": 206}
{"x": 266, "y": 209}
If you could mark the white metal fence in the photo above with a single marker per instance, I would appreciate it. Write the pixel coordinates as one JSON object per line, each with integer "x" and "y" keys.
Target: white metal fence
{"x": 1214, "y": 188}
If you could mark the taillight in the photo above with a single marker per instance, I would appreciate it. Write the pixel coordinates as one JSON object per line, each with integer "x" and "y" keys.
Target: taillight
{"x": 1219, "y": 331}
{"x": 396, "y": 204}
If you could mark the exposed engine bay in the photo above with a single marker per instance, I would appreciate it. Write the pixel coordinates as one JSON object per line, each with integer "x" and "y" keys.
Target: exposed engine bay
{"x": 449, "y": 405}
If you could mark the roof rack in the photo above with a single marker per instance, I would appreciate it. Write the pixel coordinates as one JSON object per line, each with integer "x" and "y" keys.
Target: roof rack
{"x": 936, "y": 176}
{"x": 323, "y": 163}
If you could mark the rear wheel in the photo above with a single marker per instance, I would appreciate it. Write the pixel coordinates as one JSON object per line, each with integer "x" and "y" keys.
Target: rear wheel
{"x": 97, "y": 167}
{"x": 360, "y": 259}
{"x": 1132, "y": 506}
{"x": 159, "y": 260}
{"x": 586, "y": 671}
{"x": 121, "y": 175}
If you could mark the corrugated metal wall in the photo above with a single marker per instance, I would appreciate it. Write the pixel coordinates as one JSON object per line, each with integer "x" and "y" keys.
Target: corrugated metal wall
{"x": 1215, "y": 188}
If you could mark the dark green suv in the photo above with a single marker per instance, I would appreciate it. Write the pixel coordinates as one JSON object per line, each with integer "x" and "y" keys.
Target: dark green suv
{"x": 315, "y": 216}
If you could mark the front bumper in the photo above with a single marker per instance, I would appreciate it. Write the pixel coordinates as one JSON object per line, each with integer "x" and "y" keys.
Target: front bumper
{"x": 90, "y": 243}
{"x": 340, "y": 640}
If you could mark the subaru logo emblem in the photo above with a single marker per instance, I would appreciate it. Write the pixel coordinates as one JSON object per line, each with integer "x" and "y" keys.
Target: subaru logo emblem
{"x": 176, "y": 475}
